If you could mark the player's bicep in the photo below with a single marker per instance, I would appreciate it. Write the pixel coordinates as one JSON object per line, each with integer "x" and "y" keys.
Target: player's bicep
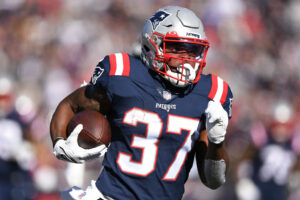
{"x": 96, "y": 96}
{"x": 88, "y": 97}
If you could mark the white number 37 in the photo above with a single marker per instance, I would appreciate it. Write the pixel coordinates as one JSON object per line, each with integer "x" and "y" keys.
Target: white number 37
{"x": 148, "y": 143}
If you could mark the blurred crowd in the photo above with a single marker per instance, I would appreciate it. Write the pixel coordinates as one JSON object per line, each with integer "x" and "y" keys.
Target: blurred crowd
{"x": 48, "y": 48}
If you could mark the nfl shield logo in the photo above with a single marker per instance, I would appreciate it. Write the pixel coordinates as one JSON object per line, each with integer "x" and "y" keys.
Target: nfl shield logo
{"x": 167, "y": 95}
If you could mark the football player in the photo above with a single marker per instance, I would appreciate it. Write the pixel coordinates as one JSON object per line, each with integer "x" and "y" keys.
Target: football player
{"x": 163, "y": 112}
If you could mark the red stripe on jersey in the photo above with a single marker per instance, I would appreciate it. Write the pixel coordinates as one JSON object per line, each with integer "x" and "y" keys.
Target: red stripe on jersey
{"x": 214, "y": 86}
{"x": 113, "y": 64}
{"x": 225, "y": 91}
{"x": 126, "y": 64}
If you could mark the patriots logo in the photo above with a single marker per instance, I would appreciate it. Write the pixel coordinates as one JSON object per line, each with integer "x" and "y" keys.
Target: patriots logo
{"x": 97, "y": 73}
{"x": 157, "y": 18}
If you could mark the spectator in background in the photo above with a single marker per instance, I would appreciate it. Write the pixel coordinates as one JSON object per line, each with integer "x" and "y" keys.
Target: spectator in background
{"x": 15, "y": 179}
{"x": 267, "y": 164}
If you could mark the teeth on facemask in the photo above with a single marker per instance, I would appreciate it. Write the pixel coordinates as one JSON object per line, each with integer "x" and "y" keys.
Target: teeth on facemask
{"x": 186, "y": 73}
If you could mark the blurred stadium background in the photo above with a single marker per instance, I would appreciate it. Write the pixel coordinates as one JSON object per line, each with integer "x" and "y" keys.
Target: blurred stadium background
{"x": 48, "y": 48}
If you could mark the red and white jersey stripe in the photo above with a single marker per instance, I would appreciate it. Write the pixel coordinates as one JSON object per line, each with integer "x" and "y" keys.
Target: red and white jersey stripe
{"x": 119, "y": 64}
{"x": 219, "y": 89}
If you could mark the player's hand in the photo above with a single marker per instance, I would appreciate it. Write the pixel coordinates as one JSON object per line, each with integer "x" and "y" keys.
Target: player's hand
{"x": 70, "y": 151}
{"x": 216, "y": 122}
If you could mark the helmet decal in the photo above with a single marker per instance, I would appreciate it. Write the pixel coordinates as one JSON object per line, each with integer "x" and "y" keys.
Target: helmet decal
{"x": 157, "y": 18}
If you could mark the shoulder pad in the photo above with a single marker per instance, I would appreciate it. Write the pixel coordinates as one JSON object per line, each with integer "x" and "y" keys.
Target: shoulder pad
{"x": 219, "y": 89}
{"x": 119, "y": 64}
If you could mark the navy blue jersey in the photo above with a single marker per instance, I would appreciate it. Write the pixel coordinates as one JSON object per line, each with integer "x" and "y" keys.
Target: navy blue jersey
{"x": 152, "y": 129}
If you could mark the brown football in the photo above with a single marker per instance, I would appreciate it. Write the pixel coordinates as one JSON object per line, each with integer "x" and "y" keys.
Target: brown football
{"x": 96, "y": 129}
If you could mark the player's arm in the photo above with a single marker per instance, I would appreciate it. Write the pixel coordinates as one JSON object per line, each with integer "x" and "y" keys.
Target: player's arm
{"x": 211, "y": 156}
{"x": 212, "y": 161}
{"x": 86, "y": 97}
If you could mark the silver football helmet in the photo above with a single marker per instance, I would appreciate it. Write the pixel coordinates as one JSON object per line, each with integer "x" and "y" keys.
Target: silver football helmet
{"x": 180, "y": 30}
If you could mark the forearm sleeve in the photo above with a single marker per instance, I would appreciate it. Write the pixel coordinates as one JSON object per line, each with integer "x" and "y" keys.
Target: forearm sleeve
{"x": 214, "y": 171}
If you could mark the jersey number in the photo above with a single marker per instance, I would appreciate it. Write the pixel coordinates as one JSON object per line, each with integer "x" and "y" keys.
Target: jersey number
{"x": 148, "y": 143}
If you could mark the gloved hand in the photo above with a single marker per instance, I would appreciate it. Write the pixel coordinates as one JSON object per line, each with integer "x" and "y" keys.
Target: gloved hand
{"x": 216, "y": 122}
{"x": 70, "y": 151}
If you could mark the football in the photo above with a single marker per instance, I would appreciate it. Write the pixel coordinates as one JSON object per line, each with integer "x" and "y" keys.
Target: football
{"x": 96, "y": 129}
